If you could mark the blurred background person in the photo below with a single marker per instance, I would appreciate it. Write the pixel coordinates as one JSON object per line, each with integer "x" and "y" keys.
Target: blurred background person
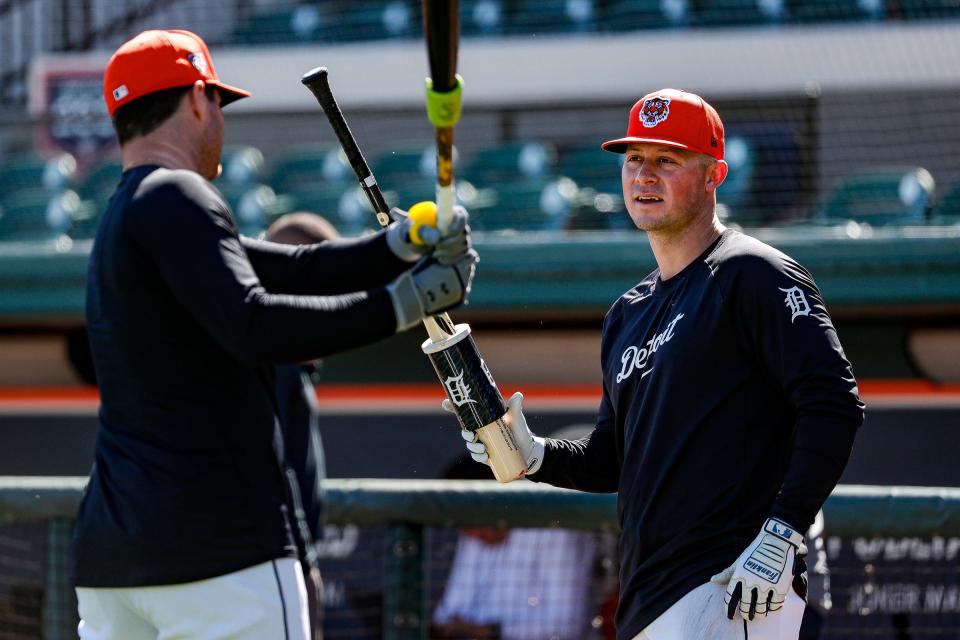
{"x": 302, "y": 447}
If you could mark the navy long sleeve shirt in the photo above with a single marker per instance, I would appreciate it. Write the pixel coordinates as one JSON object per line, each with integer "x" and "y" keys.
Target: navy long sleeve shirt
{"x": 185, "y": 321}
{"x": 727, "y": 398}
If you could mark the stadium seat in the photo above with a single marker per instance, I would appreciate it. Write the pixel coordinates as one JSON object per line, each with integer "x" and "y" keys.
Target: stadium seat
{"x": 311, "y": 166}
{"x": 100, "y": 182}
{"x": 416, "y": 161}
{"x": 373, "y": 20}
{"x": 410, "y": 171}
{"x": 467, "y": 195}
{"x": 630, "y": 15}
{"x": 721, "y": 13}
{"x": 35, "y": 214}
{"x": 481, "y": 17}
{"x": 733, "y": 194}
{"x": 551, "y": 16}
{"x": 600, "y": 197}
{"x": 834, "y": 11}
{"x": 29, "y": 171}
{"x": 880, "y": 196}
{"x": 929, "y": 9}
{"x": 242, "y": 165}
{"x": 947, "y": 209}
{"x": 405, "y": 194}
{"x": 256, "y": 206}
{"x": 528, "y": 205}
{"x": 347, "y": 208}
{"x": 511, "y": 162}
{"x": 272, "y": 27}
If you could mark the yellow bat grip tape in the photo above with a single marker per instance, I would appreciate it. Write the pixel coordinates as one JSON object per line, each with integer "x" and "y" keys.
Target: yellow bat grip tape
{"x": 443, "y": 109}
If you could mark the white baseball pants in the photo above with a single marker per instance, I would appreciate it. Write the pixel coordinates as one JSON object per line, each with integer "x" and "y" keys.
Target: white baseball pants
{"x": 701, "y": 615}
{"x": 265, "y": 602}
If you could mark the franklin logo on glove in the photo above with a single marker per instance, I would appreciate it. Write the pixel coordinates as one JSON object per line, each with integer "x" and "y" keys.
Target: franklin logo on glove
{"x": 770, "y": 557}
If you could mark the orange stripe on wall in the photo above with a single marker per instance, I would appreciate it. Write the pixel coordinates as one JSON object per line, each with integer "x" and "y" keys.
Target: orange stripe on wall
{"x": 427, "y": 392}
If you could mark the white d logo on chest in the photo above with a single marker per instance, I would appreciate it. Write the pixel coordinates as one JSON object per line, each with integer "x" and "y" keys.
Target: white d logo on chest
{"x": 636, "y": 358}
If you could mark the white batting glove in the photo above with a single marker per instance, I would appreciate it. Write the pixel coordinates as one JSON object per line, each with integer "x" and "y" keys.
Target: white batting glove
{"x": 416, "y": 234}
{"x": 759, "y": 580}
{"x": 531, "y": 447}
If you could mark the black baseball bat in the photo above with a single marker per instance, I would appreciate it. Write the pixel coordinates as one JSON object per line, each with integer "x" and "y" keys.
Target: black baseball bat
{"x": 316, "y": 80}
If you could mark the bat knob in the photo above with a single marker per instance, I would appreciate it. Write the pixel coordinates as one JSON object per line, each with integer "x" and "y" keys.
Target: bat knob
{"x": 313, "y": 75}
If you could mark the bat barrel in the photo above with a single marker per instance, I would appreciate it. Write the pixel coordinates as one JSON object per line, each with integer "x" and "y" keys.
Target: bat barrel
{"x": 466, "y": 378}
{"x": 476, "y": 399}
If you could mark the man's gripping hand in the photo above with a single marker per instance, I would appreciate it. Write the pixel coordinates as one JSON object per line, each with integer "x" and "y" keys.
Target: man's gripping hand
{"x": 531, "y": 447}
{"x": 759, "y": 580}
{"x": 430, "y": 288}
{"x": 415, "y": 234}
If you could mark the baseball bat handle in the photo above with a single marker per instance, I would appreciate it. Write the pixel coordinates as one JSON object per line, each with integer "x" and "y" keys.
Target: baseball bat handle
{"x": 439, "y": 326}
{"x": 316, "y": 80}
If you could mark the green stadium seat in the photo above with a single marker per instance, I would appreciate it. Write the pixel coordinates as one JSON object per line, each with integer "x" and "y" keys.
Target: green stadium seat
{"x": 374, "y": 20}
{"x": 346, "y": 208}
{"x": 806, "y": 11}
{"x": 722, "y": 13}
{"x": 255, "y": 206}
{"x": 528, "y": 205}
{"x": 34, "y": 214}
{"x": 600, "y": 197}
{"x": 511, "y": 162}
{"x": 409, "y": 193}
{"x": 306, "y": 23}
{"x": 482, "y": 17}
{"x": 101, "y": 181}
{"x": 591, "y": 166}
{"x": 29, "y": 171}
{"x": 947, "y": 209}
{"x": 551, "y": 16}
{"x": 405, "y": 194}
{"x": 734, "y": 193}
{"x": 311, "y": 166}
{"x": 930, "y": 9}
{"x": 242, "y": 165}
{"x": 416, "y": 161}
{"x": 631, "y": 15}
{"x": 880, "y": 196}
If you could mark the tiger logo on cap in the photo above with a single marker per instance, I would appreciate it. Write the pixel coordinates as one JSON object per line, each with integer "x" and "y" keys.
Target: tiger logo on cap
{"x": 654, "y": 111}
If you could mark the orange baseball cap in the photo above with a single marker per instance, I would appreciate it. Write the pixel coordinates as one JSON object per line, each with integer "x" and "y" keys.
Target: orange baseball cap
{"x": 157, "y": 60}
{"x": 676, "y": 119}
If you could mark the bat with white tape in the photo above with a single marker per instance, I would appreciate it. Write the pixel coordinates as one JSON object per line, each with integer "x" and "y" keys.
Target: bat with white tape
{"x": 451, "y": 348}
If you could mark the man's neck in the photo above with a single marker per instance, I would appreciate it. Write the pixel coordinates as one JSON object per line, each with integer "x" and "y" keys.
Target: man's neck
{"x": 158, "y": 148}
{"x": 675, "y": 250}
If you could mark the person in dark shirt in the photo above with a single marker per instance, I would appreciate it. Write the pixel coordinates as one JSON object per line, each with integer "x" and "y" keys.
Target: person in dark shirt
{"x": 302, "y": 446}
{"x": 728, "y": 407}
{"x": 185, "y": 529}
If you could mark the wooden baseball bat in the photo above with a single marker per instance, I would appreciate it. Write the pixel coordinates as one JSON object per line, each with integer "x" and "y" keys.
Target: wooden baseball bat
{"x": 441, "y": 27}
{"x": 451, "y": 349}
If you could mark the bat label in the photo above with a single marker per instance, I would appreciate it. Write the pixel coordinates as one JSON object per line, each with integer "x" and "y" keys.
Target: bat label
{"x": 457, "y": 390}
{"x": 466, "y": 379}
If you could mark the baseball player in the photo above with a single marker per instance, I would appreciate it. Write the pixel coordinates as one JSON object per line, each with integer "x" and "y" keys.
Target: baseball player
{"x": 185, "y": 529}
{"x": 728, "y": 410}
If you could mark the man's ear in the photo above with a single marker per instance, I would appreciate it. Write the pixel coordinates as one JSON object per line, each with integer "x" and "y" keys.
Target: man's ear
{"x": 717, "y": 173}
{"x": 196, "y": 96}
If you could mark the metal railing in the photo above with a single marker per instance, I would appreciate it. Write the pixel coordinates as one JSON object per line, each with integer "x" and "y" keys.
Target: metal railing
{"x": 409, "y": 507}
